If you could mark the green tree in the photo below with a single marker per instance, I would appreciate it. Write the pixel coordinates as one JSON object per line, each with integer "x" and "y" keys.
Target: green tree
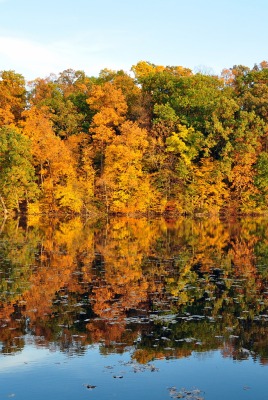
{"x": 261, "y": 179}
{"x": 12, "y": 97}
{"x": 17, "y": 175}
{"x": 67, "y": 119}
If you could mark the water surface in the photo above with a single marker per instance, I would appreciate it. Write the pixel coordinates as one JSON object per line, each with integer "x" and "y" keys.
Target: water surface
{"x": 131, "y": 307}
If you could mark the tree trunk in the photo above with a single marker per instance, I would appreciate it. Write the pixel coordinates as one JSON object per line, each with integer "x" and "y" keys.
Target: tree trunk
{"x": 3, "y": 206}
{"x": 3, "y": 224}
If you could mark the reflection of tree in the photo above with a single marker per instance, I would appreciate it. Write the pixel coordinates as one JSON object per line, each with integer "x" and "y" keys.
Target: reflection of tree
{"x": 167, "y": 289}
{"x": 123, "y": 285}
{"x": 52, "y": 260}
{"x": 190, "y": 334}
{"x": 17, "y": 254}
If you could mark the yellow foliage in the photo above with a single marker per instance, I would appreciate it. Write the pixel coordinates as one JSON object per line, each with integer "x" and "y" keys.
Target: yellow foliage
{"x": 58, "y": 161}
{"x": 208, "y": 190}
{"x": 129, "y": 188}
{"x": 111, "y": 107}
{"x": 107, "y": 96}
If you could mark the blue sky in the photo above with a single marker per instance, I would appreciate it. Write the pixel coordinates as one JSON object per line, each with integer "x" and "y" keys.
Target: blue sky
{"x": 41, "y": 37}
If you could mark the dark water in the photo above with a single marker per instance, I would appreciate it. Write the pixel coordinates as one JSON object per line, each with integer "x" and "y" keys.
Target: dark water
{"x": 134, "y": 308}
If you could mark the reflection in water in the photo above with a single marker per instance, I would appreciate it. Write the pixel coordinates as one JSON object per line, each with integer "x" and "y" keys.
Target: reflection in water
{"x": 163, "y": 289}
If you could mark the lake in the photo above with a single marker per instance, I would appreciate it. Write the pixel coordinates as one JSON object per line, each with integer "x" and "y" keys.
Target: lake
{"x": 134, "y": 308}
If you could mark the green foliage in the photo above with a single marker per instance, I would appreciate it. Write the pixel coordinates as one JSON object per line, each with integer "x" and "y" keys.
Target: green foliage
{"x": 164, "y": 112}
{"x": 261, "y": 178}
{"x": 12, "y": 97}
{"x": 65, "y": 98}
{"x": 17, "y": 175}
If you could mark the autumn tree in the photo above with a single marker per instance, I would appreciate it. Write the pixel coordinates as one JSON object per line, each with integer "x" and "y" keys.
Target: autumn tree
{"x": 207, "y": 192}
{"x": 128, "y": 188}
{"x": 55, "y": 163}
{"x": 110, "y": 108}
{"x": 131, "y": 91}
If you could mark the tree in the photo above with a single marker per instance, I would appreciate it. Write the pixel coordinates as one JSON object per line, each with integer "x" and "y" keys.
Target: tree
{"x": 127, "y": 185}
{"x": 12, "y": 97}
{"x": 17, "y": 175}
{"x": 110, "y": 106}
{"x": 132, "y": 92}
{"x": 54, "y": 162}
{"x": 67, "y": 119}
{"x": 261, "y": 178}
{"x": 246, "y": 146}
{"x": 207, "y": 193}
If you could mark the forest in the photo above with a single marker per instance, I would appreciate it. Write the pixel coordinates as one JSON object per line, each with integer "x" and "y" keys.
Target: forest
{"x": 153, "y": 141}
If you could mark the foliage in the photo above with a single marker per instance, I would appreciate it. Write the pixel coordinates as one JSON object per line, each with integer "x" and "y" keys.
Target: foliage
{"x": 17, "y": 175}
{"x": 166, "y": 140}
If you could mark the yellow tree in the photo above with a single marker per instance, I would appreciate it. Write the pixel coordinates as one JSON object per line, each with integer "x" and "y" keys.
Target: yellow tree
{"x": 84, "y": 180}
{"x": 111, "y": 107}
{"x": 246, "y": 148}
{"x": 207, "y": 193}
{"x": 54, "y": 162}
{"x": 131, "y": 91}
{"x": 127, "y": 185}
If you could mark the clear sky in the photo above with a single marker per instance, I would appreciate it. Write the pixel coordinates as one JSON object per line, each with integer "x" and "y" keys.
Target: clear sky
{"x": 40, "y": 37}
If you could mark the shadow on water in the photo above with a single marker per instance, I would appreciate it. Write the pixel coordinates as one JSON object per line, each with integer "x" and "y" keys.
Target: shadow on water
{"x": 165, "y": 289}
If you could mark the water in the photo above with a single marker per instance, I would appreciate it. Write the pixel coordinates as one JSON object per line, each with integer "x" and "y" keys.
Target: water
{"x": 134, "y": 308}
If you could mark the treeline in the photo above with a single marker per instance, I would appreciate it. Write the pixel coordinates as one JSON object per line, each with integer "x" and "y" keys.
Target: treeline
{"x": 161, "y": 139}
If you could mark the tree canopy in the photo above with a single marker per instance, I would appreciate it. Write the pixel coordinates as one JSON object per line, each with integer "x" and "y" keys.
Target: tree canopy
{"x": 160, "y": 139}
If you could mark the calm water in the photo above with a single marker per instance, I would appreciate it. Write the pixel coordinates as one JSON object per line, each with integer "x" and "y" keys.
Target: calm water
{"x": 134, "y": 309}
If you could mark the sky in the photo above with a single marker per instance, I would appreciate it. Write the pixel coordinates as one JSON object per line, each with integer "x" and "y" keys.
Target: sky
{"x": 40, "y": 37}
